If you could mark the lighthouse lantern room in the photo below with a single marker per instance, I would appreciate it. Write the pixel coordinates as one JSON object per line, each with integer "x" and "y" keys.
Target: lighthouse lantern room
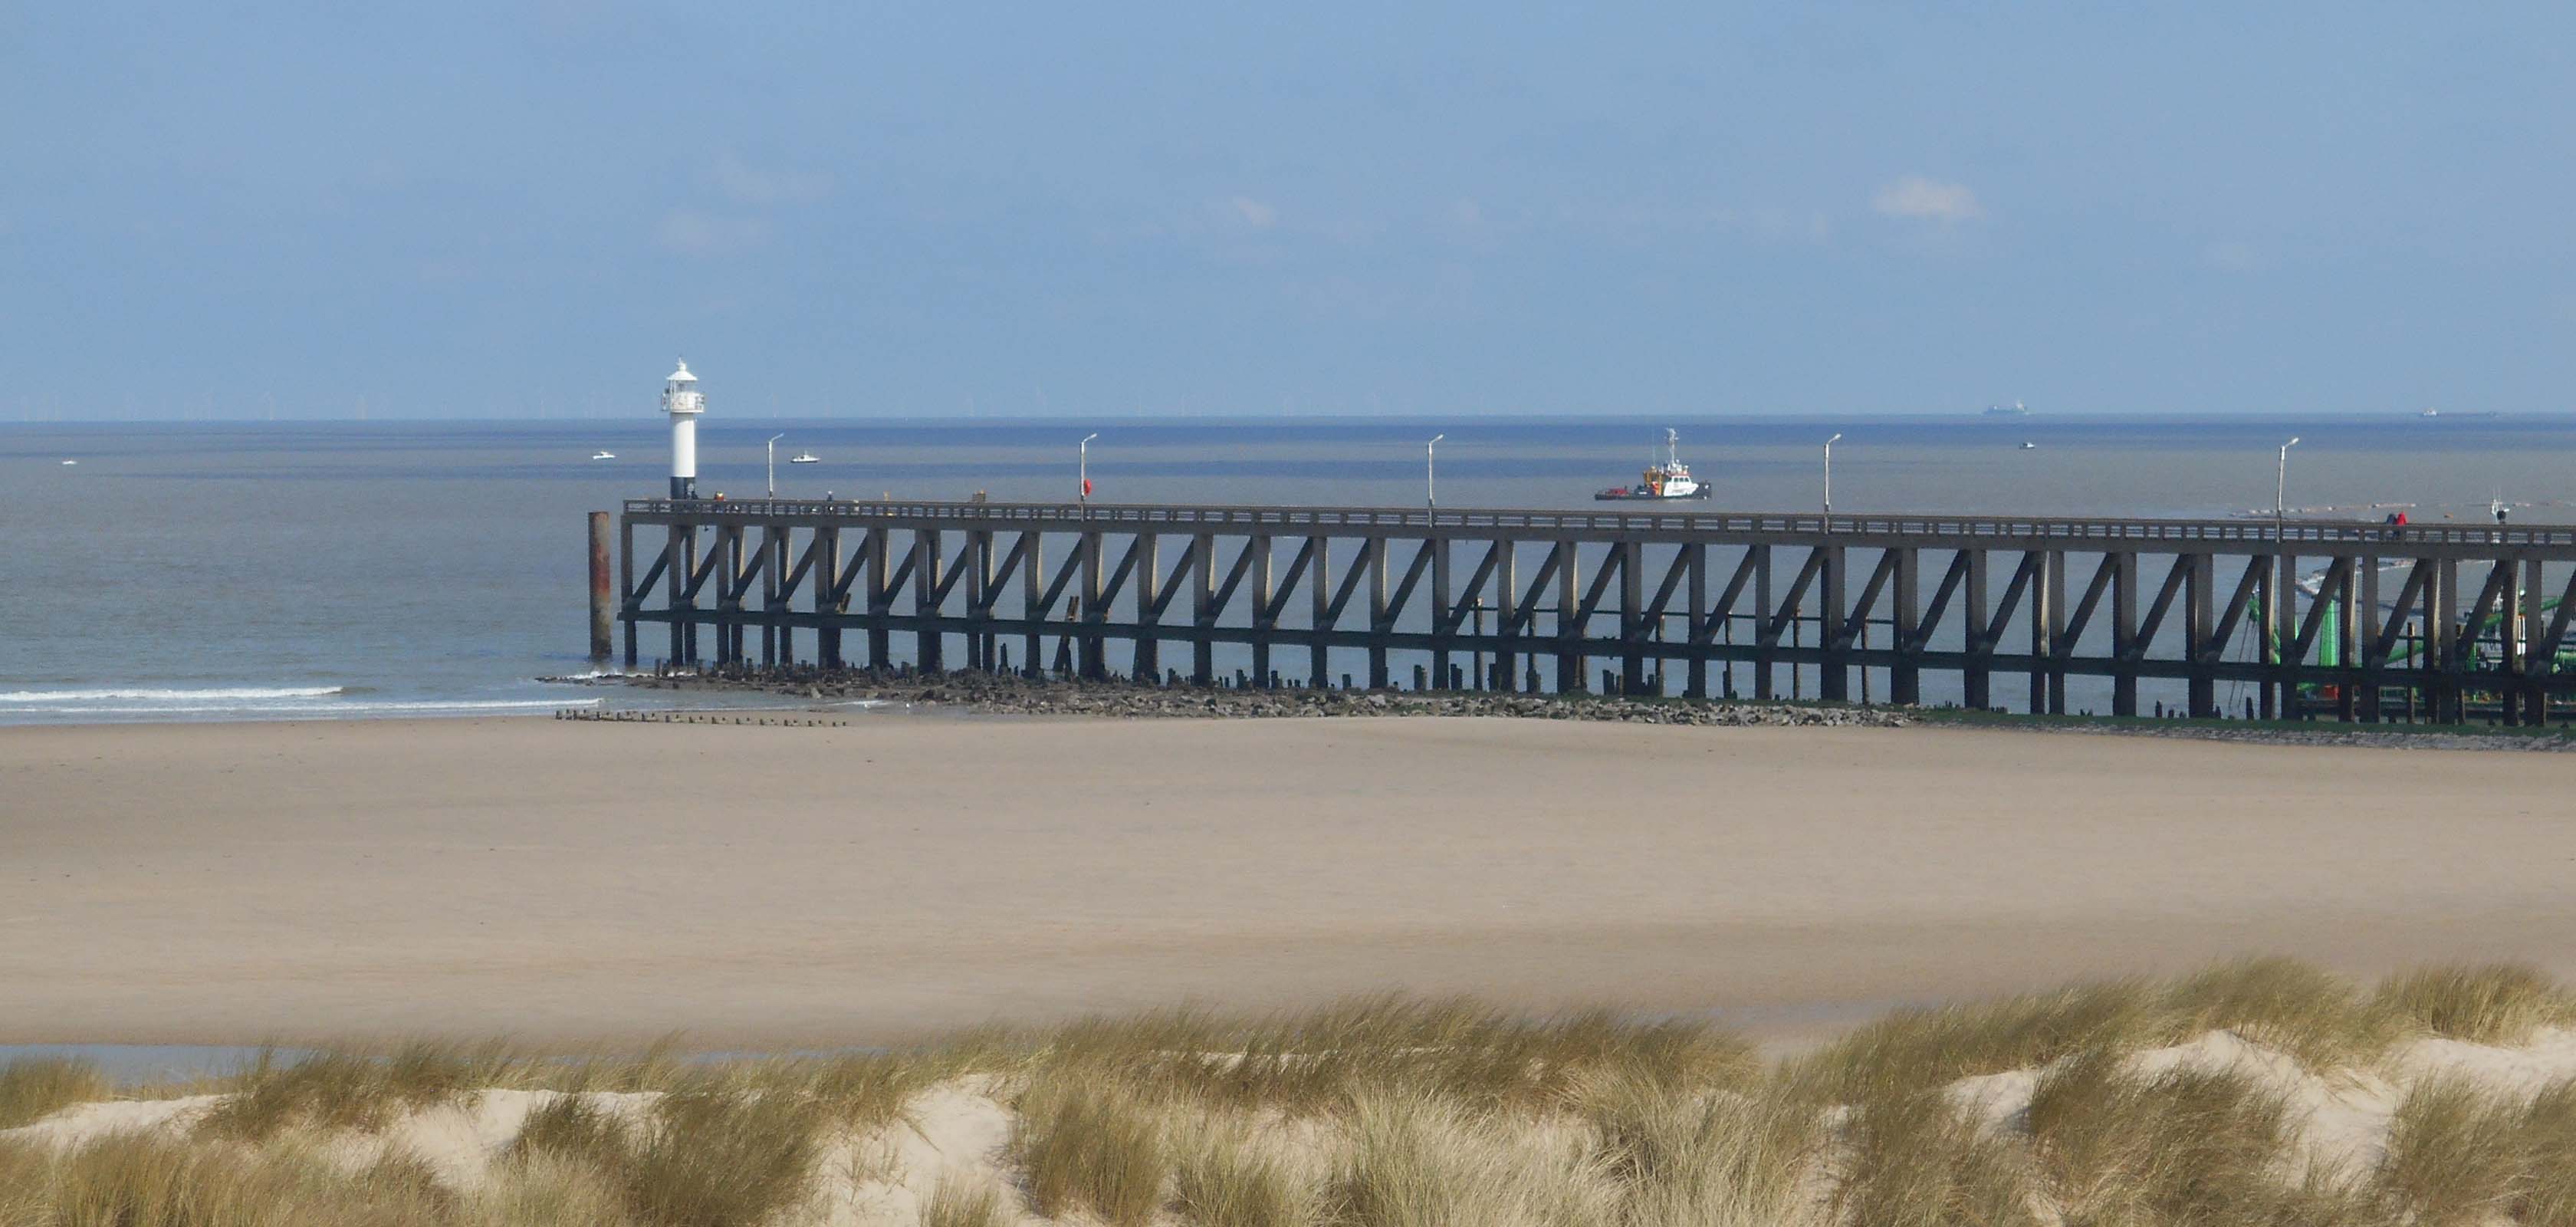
{"x": 682, "y": 400}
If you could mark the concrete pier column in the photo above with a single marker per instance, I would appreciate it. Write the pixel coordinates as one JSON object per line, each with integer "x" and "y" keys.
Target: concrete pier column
{"x": 626, "y": 593}
{"x": 1905, "y": 678}
{"x": 1695, "y": 579}
{"x": 880, "y": 573}
{"x": 1092, "y": 658}
{"x": 603, "y": 609}
{"x": 1631, "y": 559}
{"x": 1833, "y": 632}
{"x": 1203, "y": 610}
{"x": 2124, "y": 633}
{"x": 1319, "y": 589}
{"x": 1376, "y": 550}
{"x": 683, "y": 557}
{"x": 823, "y": 581}
{"x": 1569, "y": 628}
{"x": 1262, "y": 622}
{"x": 1148, "y": 582}
{"x": 1507, "y": 595}
{"x": 1032, "y": 591}
{"x": 1442, "y": 621}
{"x": 1763, "y": 614}
{"x": 2200, "y": 613}
{"x": 927, "y": 651}
{"x": 1977, "y": 679}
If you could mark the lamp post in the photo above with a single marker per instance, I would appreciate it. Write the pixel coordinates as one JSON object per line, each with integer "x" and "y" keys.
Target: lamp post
{"x": 2281, "y": 491}
{"x": 1083, "y": 461}
{"x": 1829, "y": 481}
{"x": 773, "y": 464}
{"x": 1430, "y": 491}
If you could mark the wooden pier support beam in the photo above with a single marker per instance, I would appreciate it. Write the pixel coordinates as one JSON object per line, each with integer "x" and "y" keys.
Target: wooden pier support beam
{"x": 1507, "y": 594}
{"x": 1631, "y": 561}
{"x": 2534, "y": 659}
{"x": 2365, "y": 641}
{"x": 603, "y": 610}
{"x": 2443, "y": 693}
{"x": 627, "y": 596}
{"x": 1905, "y": 678}
{"x": 683, "y": 556}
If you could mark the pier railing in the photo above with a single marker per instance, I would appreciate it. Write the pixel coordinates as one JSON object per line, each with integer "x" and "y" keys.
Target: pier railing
{"x": 1593, "y": 525}
{"x": 2304, "y": 613}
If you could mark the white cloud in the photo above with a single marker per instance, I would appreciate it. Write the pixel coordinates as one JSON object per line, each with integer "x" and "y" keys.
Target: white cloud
{"x": 1930, "y": 199}
{"x": 694, "y": 233}
{"x": 1257, "y": 214}
{"x": 744, "y": 184}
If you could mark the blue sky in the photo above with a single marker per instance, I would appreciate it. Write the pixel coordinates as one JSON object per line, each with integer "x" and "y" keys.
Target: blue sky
{"x": 480, "y": 210}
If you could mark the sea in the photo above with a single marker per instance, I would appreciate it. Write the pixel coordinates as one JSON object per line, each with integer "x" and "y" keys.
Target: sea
{"x": 300, "y": 570}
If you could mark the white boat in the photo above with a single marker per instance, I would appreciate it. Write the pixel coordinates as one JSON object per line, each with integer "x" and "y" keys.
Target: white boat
{"x": 2029, "y": 446}
{"x": 804, "y": 458}
{"x": 603, "y": 455}
{"x": 71, "y": 462}
{"x": 1670, "y": 480}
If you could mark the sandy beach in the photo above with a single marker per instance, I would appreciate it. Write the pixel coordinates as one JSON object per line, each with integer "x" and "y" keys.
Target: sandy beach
{"x": 768, "y": 886}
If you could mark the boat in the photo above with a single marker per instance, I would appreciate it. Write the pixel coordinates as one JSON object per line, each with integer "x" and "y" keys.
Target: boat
{"x": 603, "y": 455}
{"x": 2013, "y": 410}
{"x": 68, "y": 463}
{"x": 804, "y": 458}
{"x": 1670, "y": 480}
{"x": 2028, "y": 446}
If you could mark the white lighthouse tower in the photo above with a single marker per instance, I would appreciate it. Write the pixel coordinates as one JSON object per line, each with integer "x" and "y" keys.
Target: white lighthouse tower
{"x": 682, "y": 400}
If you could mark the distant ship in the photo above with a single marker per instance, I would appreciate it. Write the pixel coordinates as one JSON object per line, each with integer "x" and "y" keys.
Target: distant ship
{"x": 2029, "y": 446}
{"x": 2013, "y": 410}
{"x": 603, "y": 455}
{"x": 1670, "y": 480}
{"x": 804, "y": 458}
{"x": 69, "y": 462}
{"x": 2436, "y": 413}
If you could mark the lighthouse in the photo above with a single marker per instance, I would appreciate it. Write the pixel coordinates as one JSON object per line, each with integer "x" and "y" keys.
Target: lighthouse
{"x": 682, "y": 400}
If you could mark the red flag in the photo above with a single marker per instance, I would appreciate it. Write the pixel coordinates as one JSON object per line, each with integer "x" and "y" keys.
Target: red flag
{"x": 1086, "y": 487}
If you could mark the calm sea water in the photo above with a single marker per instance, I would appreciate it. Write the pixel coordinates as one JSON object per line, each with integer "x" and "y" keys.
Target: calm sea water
{"x": 288, "y": 570}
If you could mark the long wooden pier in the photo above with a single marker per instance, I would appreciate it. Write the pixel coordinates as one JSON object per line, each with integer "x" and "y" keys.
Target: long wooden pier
{"x": 2358, "y": 620}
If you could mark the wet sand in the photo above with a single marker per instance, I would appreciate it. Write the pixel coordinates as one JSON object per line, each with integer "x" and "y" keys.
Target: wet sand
{"x": 752, "y": 886}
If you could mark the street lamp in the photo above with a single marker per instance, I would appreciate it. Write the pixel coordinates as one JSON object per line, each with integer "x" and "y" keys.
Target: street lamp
{"x": 1829, "y": 480}
{"x": 1083, "y": 456}
{"x": 2281, "y": 490}
{"x": 773, "y": 464}
{"x": 1430, "y": 491}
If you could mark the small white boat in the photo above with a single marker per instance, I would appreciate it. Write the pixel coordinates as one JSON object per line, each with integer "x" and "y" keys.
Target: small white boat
{"x": 603, "y": 455}
{"x": 2029, "y": 446}
{"x": 68, "y": 463}
{"x": 804, "y": 458}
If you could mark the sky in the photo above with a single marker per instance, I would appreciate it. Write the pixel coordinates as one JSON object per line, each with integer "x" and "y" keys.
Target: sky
{"x": 1121, "y": 209}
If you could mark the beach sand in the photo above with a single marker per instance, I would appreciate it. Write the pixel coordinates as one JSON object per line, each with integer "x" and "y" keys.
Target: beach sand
{"x": 747, "y": 886}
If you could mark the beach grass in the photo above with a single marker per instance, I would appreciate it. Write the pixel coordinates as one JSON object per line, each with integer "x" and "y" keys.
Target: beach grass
{"x": 2488, "y": 1003}
{"x": 2121, "y": 1102}
{"x": 32, "y": 1088}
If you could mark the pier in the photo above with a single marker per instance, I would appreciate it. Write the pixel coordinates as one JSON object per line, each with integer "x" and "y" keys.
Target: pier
{"x": 2358, "y": 621}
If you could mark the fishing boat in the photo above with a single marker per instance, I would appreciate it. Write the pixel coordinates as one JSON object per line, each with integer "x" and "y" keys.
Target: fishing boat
{"x": 1670, "y": 480}
{"x": 603, "y": 455}
{"x": 804, "y": 458}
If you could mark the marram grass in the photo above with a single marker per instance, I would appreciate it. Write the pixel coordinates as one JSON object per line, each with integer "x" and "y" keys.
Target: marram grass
{"x": 1396, "y": 1112}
